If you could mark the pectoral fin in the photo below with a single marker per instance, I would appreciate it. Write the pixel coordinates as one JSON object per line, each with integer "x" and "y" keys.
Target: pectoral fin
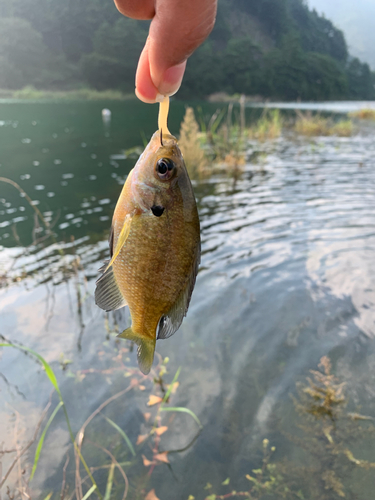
{"x": 121, "y": 239}
{"x": 107, "y": 293}
{"x": 146, "y": 349}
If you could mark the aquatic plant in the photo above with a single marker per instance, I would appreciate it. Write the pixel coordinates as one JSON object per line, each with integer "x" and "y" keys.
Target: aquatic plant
{"x": 121, "y": 455}
{"x": 190, "y": 145}
{"x": 268, "y": 127}
{"x": 316, "y": 125}
{"x": 328, "y": 433}
{"x": 363, "y": 114}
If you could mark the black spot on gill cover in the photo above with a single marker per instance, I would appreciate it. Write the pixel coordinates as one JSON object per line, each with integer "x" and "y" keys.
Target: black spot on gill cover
{"x": 157, "y": 210}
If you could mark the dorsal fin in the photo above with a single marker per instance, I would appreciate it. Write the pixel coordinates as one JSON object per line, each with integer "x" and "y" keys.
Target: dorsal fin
{"x": 170, "y": 322}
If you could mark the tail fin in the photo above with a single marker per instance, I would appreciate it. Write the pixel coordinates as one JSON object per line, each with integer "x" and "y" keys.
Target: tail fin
{"x": 146, "y": 349}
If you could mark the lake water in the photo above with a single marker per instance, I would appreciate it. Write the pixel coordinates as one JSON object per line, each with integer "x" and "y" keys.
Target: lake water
{"x": 287, "y": 276}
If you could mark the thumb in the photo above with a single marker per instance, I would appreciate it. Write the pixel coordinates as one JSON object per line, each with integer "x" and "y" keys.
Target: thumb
{"x": 177, "y": 29}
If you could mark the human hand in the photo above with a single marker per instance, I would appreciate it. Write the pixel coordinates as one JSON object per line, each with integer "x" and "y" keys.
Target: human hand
{"x": 177, "y": 28}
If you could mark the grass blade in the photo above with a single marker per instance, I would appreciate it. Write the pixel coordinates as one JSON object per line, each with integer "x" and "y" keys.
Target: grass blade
{"x": 108, "y": 489}
{"x": 50, "y": 373}
{"x": 52, "y": 377}
{"x": 168, "y": 393}
{"x": 183, "y": 410}
{"x": 41, "y": 440}
{"x": 122, "y": 433}
{"x": 49, "y": 496}
{"x": 89, "y": 493}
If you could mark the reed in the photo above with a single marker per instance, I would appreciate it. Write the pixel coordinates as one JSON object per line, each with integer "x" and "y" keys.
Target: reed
{"x": 190, "y": 144}
{"x": 268, "y": 127}
{"x": 316, "y": 125}
{"x": 363, "y": 114}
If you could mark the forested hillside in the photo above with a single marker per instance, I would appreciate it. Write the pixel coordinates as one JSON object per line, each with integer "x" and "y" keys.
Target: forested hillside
{"x": 357, "y": 19}
{"x": 272, "y": 48}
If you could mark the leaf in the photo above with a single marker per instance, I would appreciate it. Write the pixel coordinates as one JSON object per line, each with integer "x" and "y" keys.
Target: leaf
{"x": 52, "y": 378}
{"x": 142, "y": 387}
{"x": 174, "y": 387}
{"x": 183, "y": 410}
{"x": 154, "y": 400}
{"x": 160, "y": 430}
{"x": 227, "y": 481}
{"x": 50, "y": 373}
{"x": 122, "y": 433}
{"x": 108, "y": 489}
{"x": 147, "y": 416}
{"x": 211, "y": 497}
{"x": 49, "y": 496}
{"x": 146, "y": 462}
{"x": 141, "y": 438}
{"x": 151, "y": 495}
{"x": 89, "y": 493}
{"x": 208, "y": 486}
{"x": 162, "y": 457}
{"x": 168, "y": 393}
{"x": 41, "y": 440}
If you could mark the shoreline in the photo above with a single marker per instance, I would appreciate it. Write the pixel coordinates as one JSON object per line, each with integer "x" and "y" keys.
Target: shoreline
{"x": 30, "y": 93}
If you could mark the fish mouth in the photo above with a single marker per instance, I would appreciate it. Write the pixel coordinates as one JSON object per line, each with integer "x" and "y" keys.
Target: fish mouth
{"x": 157, "y": 210}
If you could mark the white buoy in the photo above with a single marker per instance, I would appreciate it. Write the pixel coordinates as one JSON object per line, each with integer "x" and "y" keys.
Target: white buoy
{"x": 106, "y": 117}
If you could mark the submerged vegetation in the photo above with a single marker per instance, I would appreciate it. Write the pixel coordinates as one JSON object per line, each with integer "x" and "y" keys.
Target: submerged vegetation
{"x": 327, "y": 435}
{"x": 326, "y": 438}
{"x": 146, "y": 452}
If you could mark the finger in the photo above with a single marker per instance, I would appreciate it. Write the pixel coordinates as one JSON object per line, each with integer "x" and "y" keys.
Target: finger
{"x": 176, "y": 30}
{"x": 144, "y": 88}
{"x": 136, "y": 9}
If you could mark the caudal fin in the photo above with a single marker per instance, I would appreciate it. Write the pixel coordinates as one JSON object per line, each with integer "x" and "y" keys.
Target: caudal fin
{"x": 146, "y": 349}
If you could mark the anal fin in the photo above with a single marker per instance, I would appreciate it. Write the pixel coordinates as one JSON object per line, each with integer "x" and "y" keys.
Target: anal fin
{"x": 171, "y": 321}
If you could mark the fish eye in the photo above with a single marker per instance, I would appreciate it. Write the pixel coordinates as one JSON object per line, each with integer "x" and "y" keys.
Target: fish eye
{"x": 164, "y": 168}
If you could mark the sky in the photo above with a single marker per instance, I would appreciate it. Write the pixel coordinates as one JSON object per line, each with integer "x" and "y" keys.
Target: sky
{"x": 357, "y": 20}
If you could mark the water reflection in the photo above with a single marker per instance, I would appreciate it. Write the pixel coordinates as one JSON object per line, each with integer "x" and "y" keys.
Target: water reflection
{"x": 287, "y": 276}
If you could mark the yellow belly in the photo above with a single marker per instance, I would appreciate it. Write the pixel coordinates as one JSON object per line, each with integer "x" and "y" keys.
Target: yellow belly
{"x": 155, "y": 264}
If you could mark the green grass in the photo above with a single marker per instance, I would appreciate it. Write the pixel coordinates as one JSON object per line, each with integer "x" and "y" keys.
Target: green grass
{"x": 52, "y": 378}
{"x": 88, "y": 94}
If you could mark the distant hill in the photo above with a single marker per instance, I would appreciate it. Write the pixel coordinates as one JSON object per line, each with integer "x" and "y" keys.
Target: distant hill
{"x": 357, "y": 20}
{"x": 277, "y": 49}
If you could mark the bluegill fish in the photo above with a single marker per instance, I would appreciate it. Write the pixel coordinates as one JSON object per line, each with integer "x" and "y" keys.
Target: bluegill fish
{"x": 154, "y": 247}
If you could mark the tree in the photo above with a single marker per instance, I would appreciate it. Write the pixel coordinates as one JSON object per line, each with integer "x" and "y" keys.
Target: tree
{"x": 22, "y": 52}
{"x": 360, "y": 80}
{"x": 241, "y": 67}
{"x": 116, "y": 51}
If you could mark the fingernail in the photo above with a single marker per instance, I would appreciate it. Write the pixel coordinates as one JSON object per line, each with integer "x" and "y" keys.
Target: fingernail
{"x": 172, "y": 79}
{"x": 148, "y": 98}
